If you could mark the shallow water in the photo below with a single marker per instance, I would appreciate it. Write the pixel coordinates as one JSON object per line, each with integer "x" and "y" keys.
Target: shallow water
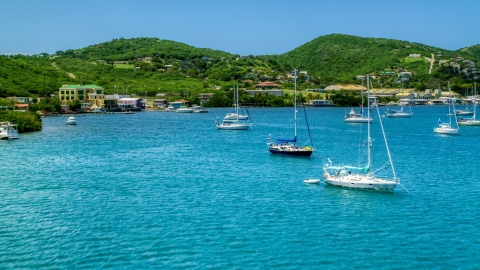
{"x": 167, "y": 190}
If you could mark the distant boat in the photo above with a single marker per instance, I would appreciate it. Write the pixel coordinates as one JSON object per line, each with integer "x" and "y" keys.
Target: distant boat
{"x": 289, "y": 147}
{"x": 465, "y": 112}
{"x": 399, "y": 113}
{"x": 471, "y": 121}
{"x": 447, "y": 128}
{"x": 311, "y": 181}
{"x": 234, "y": 124}
{"x": 8, "y": 131}
{"x": 361, "y": 177}
{"x": 184, "y": 110}
{"x": 71, "y": 121}
{"x": 353, "y": 117}
{"x": 199, "y": 109}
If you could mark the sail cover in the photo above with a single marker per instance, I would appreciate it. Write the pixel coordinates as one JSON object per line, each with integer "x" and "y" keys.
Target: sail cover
{"x": 360, "y": 169}
{"x": 287, "y": 140}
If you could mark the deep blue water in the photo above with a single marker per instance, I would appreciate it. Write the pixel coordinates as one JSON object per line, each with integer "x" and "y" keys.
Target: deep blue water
{"x": 169, "y": 191}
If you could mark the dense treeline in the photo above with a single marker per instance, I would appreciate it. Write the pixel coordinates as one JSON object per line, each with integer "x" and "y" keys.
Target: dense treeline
{"x": 25, "y": 121}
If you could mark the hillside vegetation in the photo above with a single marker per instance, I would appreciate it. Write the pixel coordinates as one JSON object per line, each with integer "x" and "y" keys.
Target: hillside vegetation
{"x": 150, "y": 65}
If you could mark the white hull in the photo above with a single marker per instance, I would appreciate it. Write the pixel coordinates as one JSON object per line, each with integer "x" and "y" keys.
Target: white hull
{"x": 469, "y": 123}
{"x": 199, "y": 109}
{"x": 71, "y": 121}
{"x": 361, "y": 182}
{"x": 446, "y": 130}
{"x": 463, "y": 113}
{"x": 399, "y": 115}
{"x": 184, "y": 110}
{"x": 311, "y": 181}
{"x": 358, "y": 120}
{"x": 233, "y": 126}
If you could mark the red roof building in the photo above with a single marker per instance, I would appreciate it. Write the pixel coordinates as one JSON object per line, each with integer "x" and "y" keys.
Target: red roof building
{"x": 267, "y": 84}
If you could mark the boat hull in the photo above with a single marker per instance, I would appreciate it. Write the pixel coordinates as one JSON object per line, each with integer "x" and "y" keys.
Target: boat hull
{"x": 297, "y": 153}
{"x": 469, "y": 123}
{"x": 450, "y": 131}
{"x": 398, "y": 115}
{"x": 234, "y": 126}
{"x": 184, "y": 111}
{"x": 311, "y": 181}
{"x": 358, "y": 120}
{"x": 464, "y": 113}
{"x": 364, "y": 182}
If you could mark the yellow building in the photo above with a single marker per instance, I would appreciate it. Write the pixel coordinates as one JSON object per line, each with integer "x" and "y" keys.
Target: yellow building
{"x": 84, "y": 93}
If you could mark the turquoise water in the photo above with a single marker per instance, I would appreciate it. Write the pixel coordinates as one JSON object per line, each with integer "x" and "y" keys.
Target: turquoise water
{"x": 166, "y": 190}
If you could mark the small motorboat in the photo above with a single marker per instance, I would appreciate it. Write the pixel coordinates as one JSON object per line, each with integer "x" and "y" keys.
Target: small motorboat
{"x": 311, "y": 181}
{"x": 71, "y": 121}
{"x": 8, "y": 131}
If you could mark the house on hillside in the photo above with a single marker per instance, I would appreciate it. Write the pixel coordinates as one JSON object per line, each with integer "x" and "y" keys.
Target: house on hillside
{"x": 266, "y": 85}
{"x": 23, "y": 100}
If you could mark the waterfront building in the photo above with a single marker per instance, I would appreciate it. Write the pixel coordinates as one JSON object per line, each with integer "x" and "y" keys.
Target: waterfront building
{"x": 70, "y": 92}
{"x": 178, "y": 104}
{"x": 160, "y": 103}
{"x": 135, "y": 104}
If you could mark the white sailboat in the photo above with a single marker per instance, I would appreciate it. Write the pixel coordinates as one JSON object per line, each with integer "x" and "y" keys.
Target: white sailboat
{"x": 447, "y": 128}
{"x": 399, "y": 113}
{"x": 471, "y": 121}
{"x": 234, "y": 115}
{"x": 465, "y": 112}
{"x": 238, "y": 123}
{"x": 353, "y": 117}
{"x": 362, "y": 177}
{"x": 289, "y": 147}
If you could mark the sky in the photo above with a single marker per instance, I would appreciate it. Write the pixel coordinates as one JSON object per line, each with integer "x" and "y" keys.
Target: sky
{"x": 247, "y": 27}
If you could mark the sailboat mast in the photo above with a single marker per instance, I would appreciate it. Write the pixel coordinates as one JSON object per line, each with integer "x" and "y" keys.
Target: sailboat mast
{"x": 474, "y": 100}
{"x": 369, "y": 143}
{"x": 361, "y": 106}
{"x": 236, "y": 101}
{"x": 450, "y": 105}
{"x": 295, "y": 103}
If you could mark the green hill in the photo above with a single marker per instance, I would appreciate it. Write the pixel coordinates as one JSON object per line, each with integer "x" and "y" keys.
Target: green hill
{"x": 342, "y": 56}
{"x": 152, "y": 65}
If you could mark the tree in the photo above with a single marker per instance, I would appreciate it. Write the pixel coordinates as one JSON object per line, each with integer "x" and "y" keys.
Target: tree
{"x": 74, "y": 105}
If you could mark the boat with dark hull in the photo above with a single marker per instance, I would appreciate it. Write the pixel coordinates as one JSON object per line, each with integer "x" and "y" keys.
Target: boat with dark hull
{"x": 289, "y": 147}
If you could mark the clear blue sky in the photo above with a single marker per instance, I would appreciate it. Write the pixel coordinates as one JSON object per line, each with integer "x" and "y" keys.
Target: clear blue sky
{"x": 243, "y": 27}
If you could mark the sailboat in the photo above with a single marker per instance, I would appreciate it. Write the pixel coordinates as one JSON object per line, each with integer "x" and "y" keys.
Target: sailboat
{"x": 288, "y": 147}
{"x": 471, "y": 121}
{"x": 234, "y": 116}
{"x": 362, "y": 177}
{"x": 353, "y": 117}
{"x": 399, "y": 113}
{"x": 237, "y": 124}
{"x": 464, "y": 112}
{"x": 447, "y": 128}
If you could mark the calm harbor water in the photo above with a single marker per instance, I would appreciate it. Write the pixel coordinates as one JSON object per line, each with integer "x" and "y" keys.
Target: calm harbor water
{"x": 167, "y": 190}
